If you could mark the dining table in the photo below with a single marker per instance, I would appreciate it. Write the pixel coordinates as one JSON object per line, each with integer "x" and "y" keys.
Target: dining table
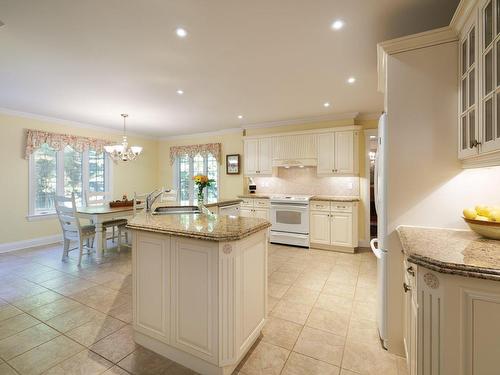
{"x": 98, "y": 215}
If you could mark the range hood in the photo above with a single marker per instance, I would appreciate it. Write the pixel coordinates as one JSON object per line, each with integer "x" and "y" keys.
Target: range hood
{"x": 288, "y": 163}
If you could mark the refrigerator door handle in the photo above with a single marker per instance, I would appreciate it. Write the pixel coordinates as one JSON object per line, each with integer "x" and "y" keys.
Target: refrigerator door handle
{"x": 375, "y": 249}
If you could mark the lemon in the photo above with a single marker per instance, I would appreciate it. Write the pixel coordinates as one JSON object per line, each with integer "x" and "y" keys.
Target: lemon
{"x": 483, "y": 210}
{"x": 494, "y": 215}
{"x": 482, "y": 218}
{"x": 470, "y": 213}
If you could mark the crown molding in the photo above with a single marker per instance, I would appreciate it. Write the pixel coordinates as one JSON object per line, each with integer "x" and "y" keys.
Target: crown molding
{"x": 303, "y": 120}
{"x": 75, "y": 124}
{"x": 369, "y": 116}
{"x": 461, "y": 14}
{"x": 203, "y": 134}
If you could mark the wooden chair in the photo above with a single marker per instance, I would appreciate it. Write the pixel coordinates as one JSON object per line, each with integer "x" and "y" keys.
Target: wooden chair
{"x": 71, "y": 227}
{"x": 102, "y": 198}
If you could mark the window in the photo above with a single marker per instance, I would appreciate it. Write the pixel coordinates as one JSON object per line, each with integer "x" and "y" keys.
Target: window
{"x": 62, "y": 173}
{"x": 186, "y": 168}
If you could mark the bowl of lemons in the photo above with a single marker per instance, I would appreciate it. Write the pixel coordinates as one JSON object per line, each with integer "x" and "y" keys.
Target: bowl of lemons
{"x": 484, "y": 220}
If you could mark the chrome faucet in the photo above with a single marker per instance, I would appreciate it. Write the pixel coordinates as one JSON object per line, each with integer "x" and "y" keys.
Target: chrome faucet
{"x": 151, "y": 198}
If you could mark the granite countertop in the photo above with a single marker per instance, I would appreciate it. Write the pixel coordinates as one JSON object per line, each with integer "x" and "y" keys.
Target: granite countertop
{"x": 261, "y": 196}
{"x": 224, "y": 202}
{"x": 452, "y": 251}
{"x": 201, "y": 226}
{"x": 333, "y": 198}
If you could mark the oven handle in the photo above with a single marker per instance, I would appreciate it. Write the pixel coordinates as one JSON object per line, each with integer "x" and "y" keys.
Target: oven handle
{"x": 289, "y": 206}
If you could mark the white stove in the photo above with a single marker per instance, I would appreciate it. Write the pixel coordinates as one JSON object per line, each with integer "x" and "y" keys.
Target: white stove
{"x": 290, "y": 219}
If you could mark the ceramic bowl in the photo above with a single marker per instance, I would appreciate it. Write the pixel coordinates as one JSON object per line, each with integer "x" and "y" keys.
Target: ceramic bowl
{"x": 488, "y": 229}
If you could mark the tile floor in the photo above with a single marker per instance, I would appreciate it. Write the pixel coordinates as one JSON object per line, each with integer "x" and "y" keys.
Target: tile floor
{"x": 57, "y": 318}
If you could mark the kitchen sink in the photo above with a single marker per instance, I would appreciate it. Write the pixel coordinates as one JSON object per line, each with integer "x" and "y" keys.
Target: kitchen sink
{"x": 172, "y": 210}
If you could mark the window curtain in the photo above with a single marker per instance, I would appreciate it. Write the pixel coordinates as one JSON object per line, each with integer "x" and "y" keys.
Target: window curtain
{"x": 36, "y": 138}
{"x": 193, "y": 150}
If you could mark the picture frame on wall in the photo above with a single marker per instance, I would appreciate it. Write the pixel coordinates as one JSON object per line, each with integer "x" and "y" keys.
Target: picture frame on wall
{"x": 233, "y": 164}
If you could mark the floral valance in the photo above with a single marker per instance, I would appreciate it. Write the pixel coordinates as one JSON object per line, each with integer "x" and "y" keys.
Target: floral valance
{"x": 193, "y": 150}
{"x": 36, "y": 138}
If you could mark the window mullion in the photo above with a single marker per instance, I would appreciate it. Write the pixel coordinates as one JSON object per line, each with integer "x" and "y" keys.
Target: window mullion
{"x": 60, "y": 173}
{"x": 191, "y": 182}
{"x": 85, "y": 174}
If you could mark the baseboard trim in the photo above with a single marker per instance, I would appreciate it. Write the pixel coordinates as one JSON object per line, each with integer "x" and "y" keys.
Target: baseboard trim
{"x": 26, "y": 244}
{"x": 364, "y": 243}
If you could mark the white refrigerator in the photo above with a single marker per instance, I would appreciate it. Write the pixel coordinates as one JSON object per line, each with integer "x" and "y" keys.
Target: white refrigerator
{"x": 379, "y": 244}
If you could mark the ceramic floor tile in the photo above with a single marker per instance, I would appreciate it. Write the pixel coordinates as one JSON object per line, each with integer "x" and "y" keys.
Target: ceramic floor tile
{"x": 333, "y": 322}
{"x": 83, "y": 363}
{"x": 16, "y": 324}
{"x": 335, "y": 303}
{"x": 45, "y": 356}
{"x": 320, "y": 345}
{"x": 339, "y": 289}
{"x": 115, "y": 370}
{"x": 74, "y": 318}
{"x": 95, "y": 330}
{"x": 122, "y": 312}
{"x": 294, "y": 312}
{"x": 368, "y": 359}
{"x": 302, "y": 295}
{"x": 286, "y": 278}
{"x": 8, "y": 311}
{"x": 265, "y": 359}
{"x": 363, "y": 331}
{"x": 281, "y": 332}
{"x": 276, "y": 290}
{"x": 52, "y": 309}
{"x": 23, "y": 341}
{"x": 38, "y": 300}
{"x": 299, "y": 364}
{"x": 348, "y": 372}
{"x": 116, "y": 346}
{"x": 5, "y": 369}
{"x": 143, "y": 361}
{"x": 271, "y": 303}
{"x": 310, "y": 282}
{"x": 364, "y": 310}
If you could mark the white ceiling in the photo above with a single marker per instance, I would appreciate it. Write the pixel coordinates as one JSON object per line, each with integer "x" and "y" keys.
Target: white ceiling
{"x": 270, "y": 60}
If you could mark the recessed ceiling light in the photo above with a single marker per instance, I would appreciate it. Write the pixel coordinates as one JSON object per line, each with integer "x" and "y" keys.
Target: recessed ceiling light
{"x": 351, "y": 80}
{"x": 240, "y": 116}
{"x": 337, "y": 24}
{"x": 181, "y": 33}
{"x": 180, "y": 92}
{"x": 326, "y": 104}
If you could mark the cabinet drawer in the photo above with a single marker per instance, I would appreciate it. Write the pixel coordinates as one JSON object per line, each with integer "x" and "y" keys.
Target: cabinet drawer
{"x": 342, "y": 206}
{"x": 247, "y": 202}
{"x": 320, "y": 205}
{"x": 261, "y": 203}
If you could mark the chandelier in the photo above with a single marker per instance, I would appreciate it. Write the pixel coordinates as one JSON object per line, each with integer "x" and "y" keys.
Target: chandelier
{"x": 123, "y": 151}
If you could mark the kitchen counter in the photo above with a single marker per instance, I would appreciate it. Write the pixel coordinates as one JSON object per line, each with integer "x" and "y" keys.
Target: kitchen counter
{"x": 259, "y": 196}
{"x": 224, "y": 202}
{"x": 201, "y": 226}
{"x": 452, "y": 251}
{"x": 334, "y": 198}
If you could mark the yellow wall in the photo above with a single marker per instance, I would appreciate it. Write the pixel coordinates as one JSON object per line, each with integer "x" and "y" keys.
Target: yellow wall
{"x": 139, "y": 175}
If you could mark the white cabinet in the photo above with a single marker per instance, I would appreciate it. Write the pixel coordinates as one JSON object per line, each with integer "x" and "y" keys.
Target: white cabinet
{"x": 295, "y": 150}
{"x": 255, "y": 207}
{"x": 258, "y": 157}
{"x": 410, "y": 318}
{"x": 338, "y": 153}
{"x": 333, "y": 225}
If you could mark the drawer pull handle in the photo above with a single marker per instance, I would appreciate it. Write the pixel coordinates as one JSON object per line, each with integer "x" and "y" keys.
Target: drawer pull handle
{"x": 406, "y": 287}
{"x": 411, "y": 271}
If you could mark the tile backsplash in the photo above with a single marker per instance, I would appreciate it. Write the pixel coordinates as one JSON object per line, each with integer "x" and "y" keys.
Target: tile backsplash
{"x": 306, "y": 181}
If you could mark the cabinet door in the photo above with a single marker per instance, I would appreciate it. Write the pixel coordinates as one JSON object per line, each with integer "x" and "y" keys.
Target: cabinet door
{"x": 246, "y": 212}
{"x": 326, "y": 153}
{"x": 251, "y": 156}
{"x": 407, "y": 341}
{"x": 341, "y": 229}
{"x": 413, "y": 334}
{"x": 261, "y": 213}
{"x": 265, "y": 157}
{"x": 344, "y": 152}
{"x": 319, "y": 227}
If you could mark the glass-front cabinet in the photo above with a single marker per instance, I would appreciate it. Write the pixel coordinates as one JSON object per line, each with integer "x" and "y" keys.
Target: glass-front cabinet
{"x": 479, "y": 82}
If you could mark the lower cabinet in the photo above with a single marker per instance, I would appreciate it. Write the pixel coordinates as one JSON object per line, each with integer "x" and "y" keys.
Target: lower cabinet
{"x": 333, "y": 225}
{"x": 255, "y": 207}
{"x": 451, "y": 323}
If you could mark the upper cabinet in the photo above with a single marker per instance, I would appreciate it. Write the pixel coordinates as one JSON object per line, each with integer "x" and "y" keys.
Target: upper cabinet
{"x": 333, "y": 151}
{"x": 338, "y": 153}
{"x": 258, "y": 157}
{"x": 479, "y": 85}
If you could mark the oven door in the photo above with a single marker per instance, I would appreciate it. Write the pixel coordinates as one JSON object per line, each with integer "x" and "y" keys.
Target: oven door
{"x": 292, "y": 218}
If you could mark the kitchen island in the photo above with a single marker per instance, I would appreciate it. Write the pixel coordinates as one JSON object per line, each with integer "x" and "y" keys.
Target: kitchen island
{"x": 452, "y": 301}
{"x": 199, "y": 287}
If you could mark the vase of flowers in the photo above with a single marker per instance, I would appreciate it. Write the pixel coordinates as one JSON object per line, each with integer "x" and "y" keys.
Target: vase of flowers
{"x": 202, "y": 182}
